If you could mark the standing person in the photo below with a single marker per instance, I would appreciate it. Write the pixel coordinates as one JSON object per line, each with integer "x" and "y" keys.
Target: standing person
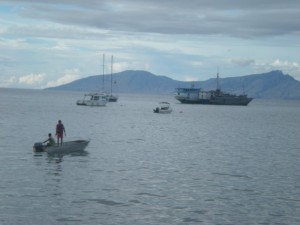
{"x": 60, "y": 130}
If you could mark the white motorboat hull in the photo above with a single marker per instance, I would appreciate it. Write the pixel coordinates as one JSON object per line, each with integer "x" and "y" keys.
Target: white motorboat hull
{"x": 65, "y": 148}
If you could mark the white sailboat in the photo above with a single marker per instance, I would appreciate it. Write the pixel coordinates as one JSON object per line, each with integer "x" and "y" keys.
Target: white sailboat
{"x": 96, "y": 98}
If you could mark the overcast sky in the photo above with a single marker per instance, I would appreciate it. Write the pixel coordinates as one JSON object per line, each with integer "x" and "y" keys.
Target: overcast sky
{"x": 51, "y": 42}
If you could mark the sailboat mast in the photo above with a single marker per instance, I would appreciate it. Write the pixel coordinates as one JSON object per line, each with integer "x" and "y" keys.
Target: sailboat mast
{"x": 103, "y": 73}
{"x": 111, "y": 73}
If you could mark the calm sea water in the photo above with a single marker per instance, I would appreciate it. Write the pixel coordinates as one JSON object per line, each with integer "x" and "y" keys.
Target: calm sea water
{"x": 201, "y": 164}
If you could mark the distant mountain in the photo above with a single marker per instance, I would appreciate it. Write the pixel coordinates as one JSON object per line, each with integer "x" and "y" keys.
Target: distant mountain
{"x": 130, "y": 81}
{"x": 271, "y": 85}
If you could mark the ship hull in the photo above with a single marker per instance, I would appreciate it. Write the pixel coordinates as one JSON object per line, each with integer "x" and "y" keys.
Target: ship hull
{"x": 194, "y": 101}
{"x": 216, "y": 102}
{"x": 239, "y": 101}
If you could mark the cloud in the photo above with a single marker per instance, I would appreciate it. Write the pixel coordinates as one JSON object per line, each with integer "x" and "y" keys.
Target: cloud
{"x": 26, "y": 81}
{"x": 289, "y": 67}
{"x": 243, "y": 62}
{"x": 233, "y": 18}
{"x": 190, "y": 78}
{"x": 279, "y": 63}
{"x": 8, "y": 82}
{"x": 69, "y": 76}
{"x": 32, "y": 79}
{"x": 60, "y": 46}
{"x": 12, "y": 43}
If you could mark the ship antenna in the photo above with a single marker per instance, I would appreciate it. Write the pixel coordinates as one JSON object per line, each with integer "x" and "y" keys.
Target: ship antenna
{"x": 218, "y": 85}
{"x": 218, "y": 90}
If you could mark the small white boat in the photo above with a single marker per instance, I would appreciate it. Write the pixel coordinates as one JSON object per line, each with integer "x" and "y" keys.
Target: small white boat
{"x": 93, "y": 99}
{"x": 163, "y": 107}
{"x": 65, "y": 148}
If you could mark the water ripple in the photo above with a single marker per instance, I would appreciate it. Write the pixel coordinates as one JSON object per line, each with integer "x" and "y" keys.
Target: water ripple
{"x": 151, "y": 195}
{"x": 191, "y": 220}
{"x": 68, "y": 219}
{"x": 107, "y": 202}
{"x": 233, "y": 175}
{"x": 201, "y": 212}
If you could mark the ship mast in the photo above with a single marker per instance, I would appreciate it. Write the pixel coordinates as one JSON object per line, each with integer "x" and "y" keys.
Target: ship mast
{"x": 218, "y": 90}
{"x": 218, "y": 85}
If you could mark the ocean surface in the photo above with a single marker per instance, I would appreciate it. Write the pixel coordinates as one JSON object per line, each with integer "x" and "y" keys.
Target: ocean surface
{"x": 201, "y": 164}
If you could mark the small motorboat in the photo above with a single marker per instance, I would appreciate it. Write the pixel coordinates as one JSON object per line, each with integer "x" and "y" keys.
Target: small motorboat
{"x": 163, "y": 107}
{"x": 65, "y": 148}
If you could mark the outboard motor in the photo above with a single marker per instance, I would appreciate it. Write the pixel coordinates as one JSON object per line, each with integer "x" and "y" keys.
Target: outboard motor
{"x": 38, "y": 147}
{"x": 156, "y": 110}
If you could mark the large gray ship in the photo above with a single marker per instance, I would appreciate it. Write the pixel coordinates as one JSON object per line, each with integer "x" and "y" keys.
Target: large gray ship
{"x": 213, "y": 97}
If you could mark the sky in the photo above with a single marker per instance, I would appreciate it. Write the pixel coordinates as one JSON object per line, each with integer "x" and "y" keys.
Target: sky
{"x": 46, "y": 43}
